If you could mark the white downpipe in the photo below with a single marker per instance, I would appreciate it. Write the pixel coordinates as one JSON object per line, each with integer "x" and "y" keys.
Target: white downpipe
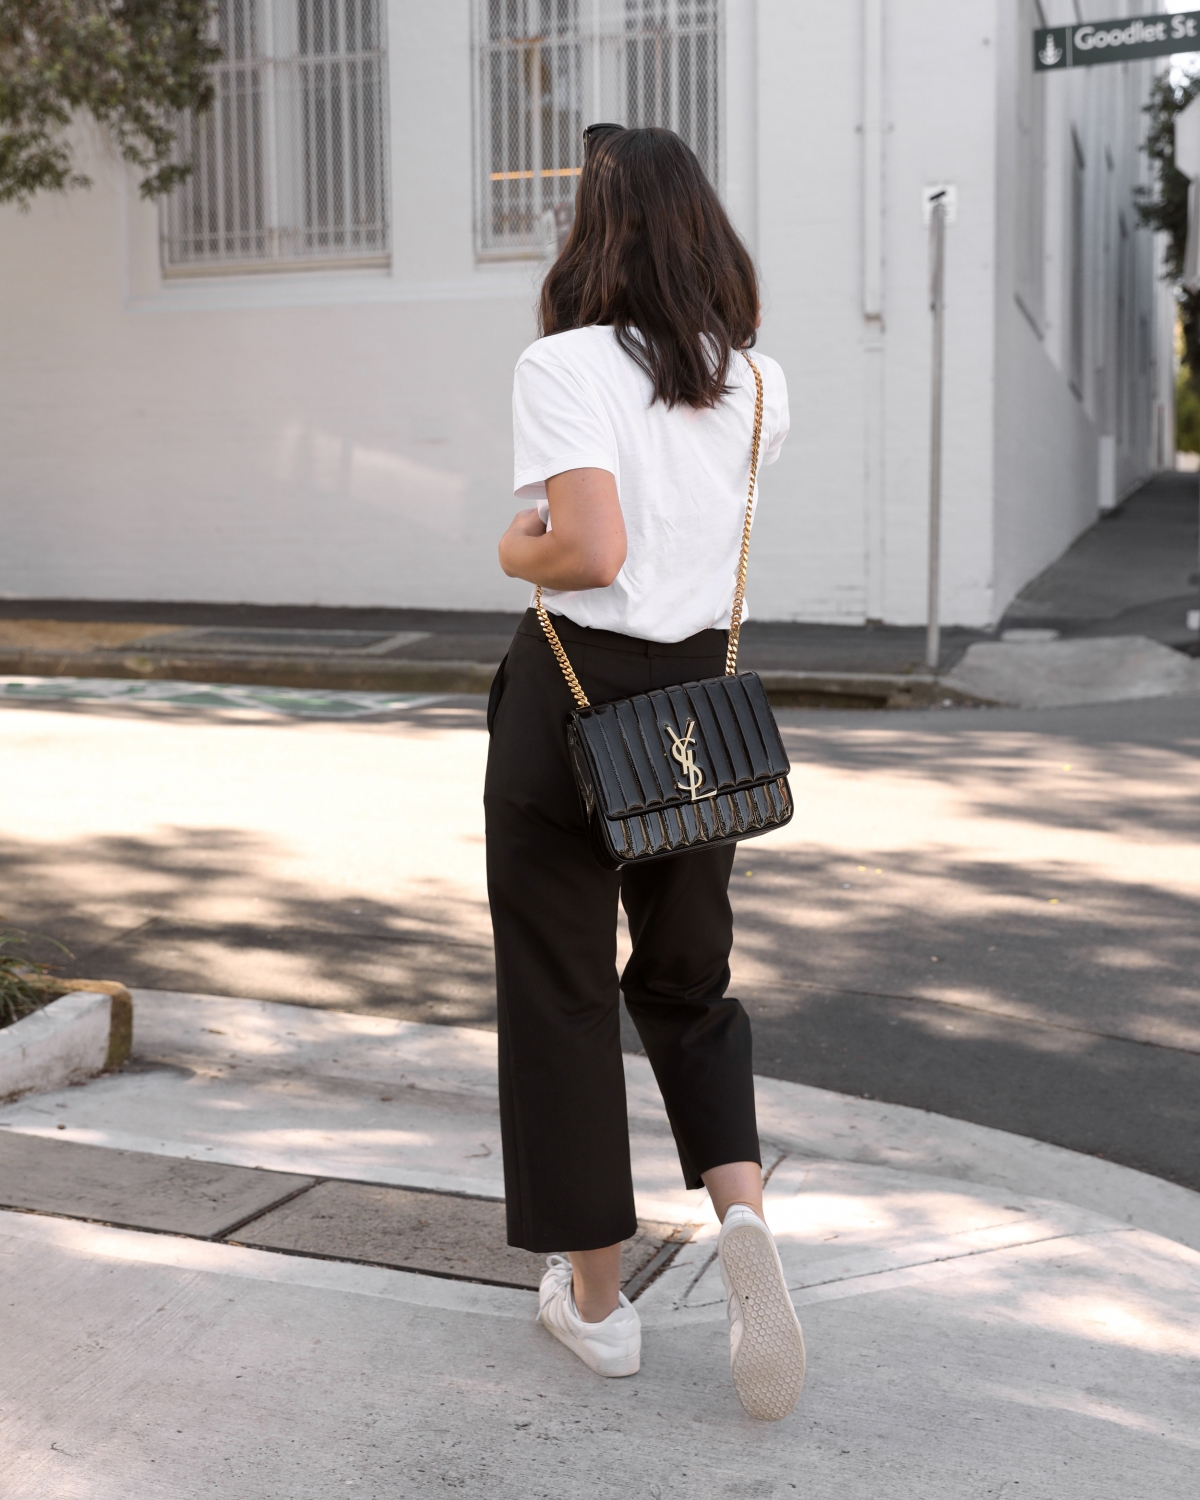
{"x": 739, "y": 109}
{"x": 872, "y": 200}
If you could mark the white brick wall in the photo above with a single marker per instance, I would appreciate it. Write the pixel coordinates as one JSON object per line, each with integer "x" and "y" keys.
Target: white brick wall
{"x": 343, "y": 437}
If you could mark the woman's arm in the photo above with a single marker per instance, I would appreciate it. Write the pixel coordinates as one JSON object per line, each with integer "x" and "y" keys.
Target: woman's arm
{"x": 586, "y": 547}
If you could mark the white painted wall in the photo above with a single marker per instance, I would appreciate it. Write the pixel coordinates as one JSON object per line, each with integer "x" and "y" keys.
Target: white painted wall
{"x": 941, "y": 72}
{"x": 343, "y": 437}
{"x": 1062, "y": 455}
{"x": 328, "y": 437}
{"x": 809, "y": 542}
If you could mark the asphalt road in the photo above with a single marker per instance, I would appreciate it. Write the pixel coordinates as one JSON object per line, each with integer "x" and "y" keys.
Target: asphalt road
{"x": 987, "y": 913}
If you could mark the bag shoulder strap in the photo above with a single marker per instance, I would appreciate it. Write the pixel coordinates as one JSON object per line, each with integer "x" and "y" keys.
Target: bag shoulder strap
{"x": 739, "y": 592}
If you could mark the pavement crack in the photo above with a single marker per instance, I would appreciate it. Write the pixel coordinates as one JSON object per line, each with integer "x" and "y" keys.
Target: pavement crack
{"x": 696, "y": 1279}
{"x": 937, "y": 1260}
{"x": 115, "y": 940}
{"x": 268, "y": 1208}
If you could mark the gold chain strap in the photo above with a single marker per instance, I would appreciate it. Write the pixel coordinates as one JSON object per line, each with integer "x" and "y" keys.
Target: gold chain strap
{"x": 568, "y": 671}
{"x": 739, "y": 593}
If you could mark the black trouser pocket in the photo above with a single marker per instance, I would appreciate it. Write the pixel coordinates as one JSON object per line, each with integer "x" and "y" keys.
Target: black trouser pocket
{"x": 496, "y": 692}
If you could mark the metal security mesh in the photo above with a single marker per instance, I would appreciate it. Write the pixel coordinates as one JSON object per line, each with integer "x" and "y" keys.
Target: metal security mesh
{"x": 290, "y": 164}
{"x": 545, "y": 68}
{"x": 668, "y": 55}
{"x": 530, "y": 113}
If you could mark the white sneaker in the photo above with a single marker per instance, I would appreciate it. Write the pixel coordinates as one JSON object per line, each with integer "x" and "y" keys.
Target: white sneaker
{"x": 766, "y": 1347}
{"x": 613, "y": 1347}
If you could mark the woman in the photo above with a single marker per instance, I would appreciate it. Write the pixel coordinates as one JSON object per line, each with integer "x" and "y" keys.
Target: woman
{"x": 632, "y": 416}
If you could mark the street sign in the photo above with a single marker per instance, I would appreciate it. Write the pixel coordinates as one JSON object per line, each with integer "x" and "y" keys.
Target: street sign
{"x": 1123, "y": 40}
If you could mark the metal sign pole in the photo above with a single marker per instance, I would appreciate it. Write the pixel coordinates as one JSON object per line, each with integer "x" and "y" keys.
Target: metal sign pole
{"x": 937, "y": 248}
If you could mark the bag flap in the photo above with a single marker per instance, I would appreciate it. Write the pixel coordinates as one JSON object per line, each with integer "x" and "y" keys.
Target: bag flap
{"x": 680, "y": 744}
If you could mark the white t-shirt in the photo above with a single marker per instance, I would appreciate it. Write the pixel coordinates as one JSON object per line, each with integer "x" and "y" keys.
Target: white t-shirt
{"x": 580, "y": 402}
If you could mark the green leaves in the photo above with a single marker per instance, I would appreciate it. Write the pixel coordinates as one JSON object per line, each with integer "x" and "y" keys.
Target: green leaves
{"x": 1165, "y": 206}
{"x": 133, "y": 65}
{"x": 17, "y": 996}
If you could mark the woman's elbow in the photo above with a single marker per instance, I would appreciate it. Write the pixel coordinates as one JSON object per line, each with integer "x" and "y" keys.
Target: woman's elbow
{"x": 605, "y": 577}
{"x": 603, "y": 570}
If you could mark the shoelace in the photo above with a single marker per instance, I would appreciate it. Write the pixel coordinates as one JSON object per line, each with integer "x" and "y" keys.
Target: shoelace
{"x": 559, "y": 1268}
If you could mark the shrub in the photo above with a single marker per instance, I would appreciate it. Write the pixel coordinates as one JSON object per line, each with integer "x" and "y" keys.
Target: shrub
{"x": 18, "y": 997}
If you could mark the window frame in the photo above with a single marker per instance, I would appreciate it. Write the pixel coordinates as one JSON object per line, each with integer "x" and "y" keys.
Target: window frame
{"x": 268, "y": 161}
{"x": 602, "y": 72}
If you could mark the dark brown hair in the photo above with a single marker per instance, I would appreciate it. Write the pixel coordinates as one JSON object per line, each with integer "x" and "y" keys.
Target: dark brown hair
{"x": 653, "y": 254}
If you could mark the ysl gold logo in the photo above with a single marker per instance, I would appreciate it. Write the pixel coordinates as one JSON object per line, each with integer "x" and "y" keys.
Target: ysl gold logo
{"x": 681, "y": 749}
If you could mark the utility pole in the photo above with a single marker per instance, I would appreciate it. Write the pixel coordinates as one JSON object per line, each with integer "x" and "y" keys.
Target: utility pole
{"x": 937, "y": 287}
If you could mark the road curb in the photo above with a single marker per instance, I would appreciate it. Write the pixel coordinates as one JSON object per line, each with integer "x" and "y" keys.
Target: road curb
{"x": 358, "y": 674}
{"x": 785, "y": 689}
{"x": 120, "y": 1029}
{"x": 87, "y": 1030}
{"x": 1071, "y": 673}
{"x": 862, "y": 690}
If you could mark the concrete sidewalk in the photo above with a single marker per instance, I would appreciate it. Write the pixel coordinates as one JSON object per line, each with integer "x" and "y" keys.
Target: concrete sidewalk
{"x": 984, "y": 1314}
{"x": 1136, "y": 572}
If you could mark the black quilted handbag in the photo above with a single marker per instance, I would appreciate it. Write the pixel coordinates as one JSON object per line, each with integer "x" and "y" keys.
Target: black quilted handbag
{"x": 685, "y": 767}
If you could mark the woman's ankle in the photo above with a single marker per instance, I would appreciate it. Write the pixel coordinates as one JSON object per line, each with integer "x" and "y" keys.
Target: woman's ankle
{"x": 594, "y": 1304}
{"x": 738, "y": 1182}
{"x": 596, "y": 1282}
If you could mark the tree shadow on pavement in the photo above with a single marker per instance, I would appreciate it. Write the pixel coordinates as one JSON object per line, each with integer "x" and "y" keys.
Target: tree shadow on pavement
{"x": 955, "y": 921}
{"x": 1118, "y": 958}
{"x": 993, "y": 916}
{"x": 192, "y": 910}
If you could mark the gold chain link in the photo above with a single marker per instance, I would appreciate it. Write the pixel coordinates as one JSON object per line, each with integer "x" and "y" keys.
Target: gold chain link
{"x": 739, "y": 593}
{"x": 568, "y": 671}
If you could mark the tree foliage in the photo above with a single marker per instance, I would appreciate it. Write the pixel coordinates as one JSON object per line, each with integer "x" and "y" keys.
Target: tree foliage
{"x": 131, "y": 64}
{"x": 1187, "y": 413}
{"x": 1165, "y": 205}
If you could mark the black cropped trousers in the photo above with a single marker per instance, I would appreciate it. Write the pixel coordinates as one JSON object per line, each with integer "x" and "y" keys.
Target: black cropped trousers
{"x": 554, "y": 917}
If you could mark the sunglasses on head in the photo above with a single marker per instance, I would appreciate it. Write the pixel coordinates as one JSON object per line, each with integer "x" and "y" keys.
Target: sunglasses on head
{"x": 593, "y": 132}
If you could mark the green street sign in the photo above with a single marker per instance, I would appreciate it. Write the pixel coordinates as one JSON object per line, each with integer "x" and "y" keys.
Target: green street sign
{"x": 1123, "y": 40}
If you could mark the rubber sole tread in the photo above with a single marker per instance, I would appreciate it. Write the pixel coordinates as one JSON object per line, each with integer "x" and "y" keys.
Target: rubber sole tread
{"x": 768, "y": 1368}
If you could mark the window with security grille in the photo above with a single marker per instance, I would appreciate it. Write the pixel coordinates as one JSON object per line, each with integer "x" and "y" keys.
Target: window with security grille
{"x": 546, "y": 68}
{"x": 290, "y": 164}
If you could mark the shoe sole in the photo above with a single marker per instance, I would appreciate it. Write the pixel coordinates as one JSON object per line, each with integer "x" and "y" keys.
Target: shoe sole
{"x": 768, "y": 1369}
{"x": 611, "y": 1369}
